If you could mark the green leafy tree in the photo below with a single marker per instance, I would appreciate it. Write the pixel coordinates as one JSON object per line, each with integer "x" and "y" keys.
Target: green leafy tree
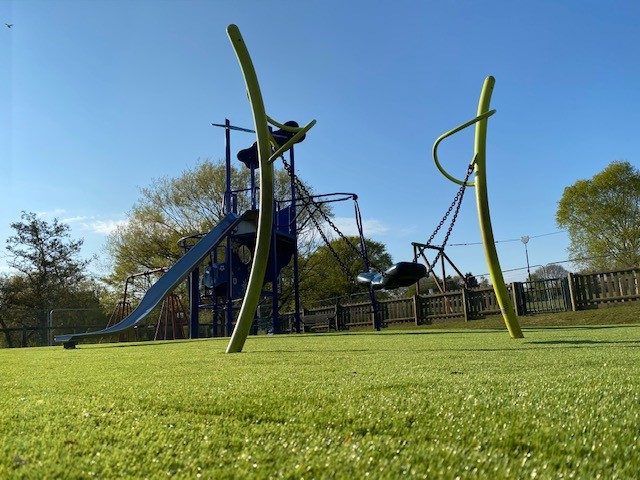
{"x": 7, "y": 319}
{"x": 452, "y": 283}
{"x": 49, "y": 273}
{"x": 171, "y": 208}
{"x": 322, "y": 277}
{"x": 602, "y": 216}
{"x": 551, "y": 271}
{"x": 79, "y": 305}
{"x": 472, "y": 281}
{"x": 47, "y": 257}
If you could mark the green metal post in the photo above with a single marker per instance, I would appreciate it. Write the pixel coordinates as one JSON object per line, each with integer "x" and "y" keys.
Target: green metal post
{"x": 266, "y": 158}
{"x": 484, "y": 218}
{"x": 265, "y": 218}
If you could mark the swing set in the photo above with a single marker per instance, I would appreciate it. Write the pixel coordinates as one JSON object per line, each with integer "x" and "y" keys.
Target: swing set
{"x": 402, "y": 273}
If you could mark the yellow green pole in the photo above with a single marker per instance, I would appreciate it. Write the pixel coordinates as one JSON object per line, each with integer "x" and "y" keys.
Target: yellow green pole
{"x": 265, "y": 217}
{"x": 484, "y": 218}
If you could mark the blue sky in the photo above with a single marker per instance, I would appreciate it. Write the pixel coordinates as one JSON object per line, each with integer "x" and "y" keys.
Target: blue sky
{"x": 99, "y": 98}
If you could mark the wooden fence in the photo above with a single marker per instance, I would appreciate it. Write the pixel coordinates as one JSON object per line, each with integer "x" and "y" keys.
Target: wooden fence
{"x": 576, "y": 292}
{"x": 595, "y": 289}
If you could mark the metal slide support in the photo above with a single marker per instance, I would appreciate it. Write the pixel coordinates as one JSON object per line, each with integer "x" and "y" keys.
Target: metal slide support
{"x": 227, "y": 160}
{"x": 275, "y": 290}
{"x": 213, "y": 257}
{"x": 293, "y": 223}
{"x": 228, "y": 208}
{"x": 484, "y": 218}
{"x": 194, "y": 303}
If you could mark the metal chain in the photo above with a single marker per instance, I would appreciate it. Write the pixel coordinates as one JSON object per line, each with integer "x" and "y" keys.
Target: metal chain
{"x": 457, "y": 203}
{"x": 454, "y": 207}
{"x": 327, "y": 219}
{"x": 457, "y": 200}
{"x": 460, "y": 196}
{"x": 344, "y": 268}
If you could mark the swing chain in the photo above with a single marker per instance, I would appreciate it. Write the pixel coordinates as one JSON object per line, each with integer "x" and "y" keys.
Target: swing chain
{"x": 456, "y": 203}
{"x": 344, "y": 268}
{"x": 460, "y": 194}
{"x": 301, "y": 186}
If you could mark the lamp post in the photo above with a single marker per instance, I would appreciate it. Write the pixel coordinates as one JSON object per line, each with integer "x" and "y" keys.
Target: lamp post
{"x": 525, "y": 240}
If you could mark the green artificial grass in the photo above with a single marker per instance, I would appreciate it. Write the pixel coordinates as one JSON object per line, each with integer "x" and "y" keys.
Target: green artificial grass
{"x": 605, "y": 315}
{"x": 562, "y": 403}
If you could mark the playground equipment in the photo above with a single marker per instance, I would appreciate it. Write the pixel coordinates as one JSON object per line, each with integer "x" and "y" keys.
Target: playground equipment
{"x": 172, "y": 320}
{"x": 254, "y": 229}
{"x": 401, "y": 274}
{"x": 479, "y": 164}
{"x": 170, "y": 280}
{"x": 226, "y": 276}
{"x": 123, "y": 307}
{"x": 268, "y": 151}
{"x": 404, "y": 273}
{"x": 120, "y": 312}
{"x": 240, "y": 256}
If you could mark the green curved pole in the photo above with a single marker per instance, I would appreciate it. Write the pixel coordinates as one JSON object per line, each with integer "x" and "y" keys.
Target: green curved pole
{"x": 265, "y": 217}
{"x": 447, "y": 135}
{"x": 265, "y": 164}
{"x": 482, "y": 201}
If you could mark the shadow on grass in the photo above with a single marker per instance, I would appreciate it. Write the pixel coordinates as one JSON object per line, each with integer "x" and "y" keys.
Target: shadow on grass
{"x": 151, "y": 343}
{"x": 567, "y": 343}
{"x": 426, "y": 331}
{"x": 581, "y": 327}
{"x": 585, "y": 342}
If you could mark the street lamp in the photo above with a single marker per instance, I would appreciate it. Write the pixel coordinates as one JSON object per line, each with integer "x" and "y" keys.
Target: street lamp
{"x": 525, "y": 240}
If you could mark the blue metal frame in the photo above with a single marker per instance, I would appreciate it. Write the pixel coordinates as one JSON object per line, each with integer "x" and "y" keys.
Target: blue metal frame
{"x": 226, "y": 307}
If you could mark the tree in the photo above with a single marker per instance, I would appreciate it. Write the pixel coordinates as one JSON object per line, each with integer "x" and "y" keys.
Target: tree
{"x": 322, "y": 277}
{"x": 47, "y": 257}
{"x": 472, "y": 281}
{"x": 50, "y": 273}
{"x": 5, "y": 318}
{"x": 602, "y": 216}
{"x": 452, "y": 283}
{"x": 171, "y": 208}
{"x": 548, "y": 272}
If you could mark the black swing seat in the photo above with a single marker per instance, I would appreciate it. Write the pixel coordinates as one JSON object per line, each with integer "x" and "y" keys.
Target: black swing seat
{"x": 249, "y": 156}
{"x": 402, "y": 274}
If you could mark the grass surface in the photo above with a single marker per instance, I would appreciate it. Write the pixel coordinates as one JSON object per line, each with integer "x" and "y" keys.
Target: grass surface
{"x": 615, "y": 314}
{"x": 563, "y": 403}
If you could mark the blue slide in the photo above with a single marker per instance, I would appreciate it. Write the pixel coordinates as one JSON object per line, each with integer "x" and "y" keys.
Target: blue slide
{"x": 170, "y": 280}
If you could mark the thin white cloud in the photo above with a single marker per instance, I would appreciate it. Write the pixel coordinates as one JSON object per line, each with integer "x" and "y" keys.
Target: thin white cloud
{"x": 104, "y": 227}
{"x": 407, "y": 231}
{"x": 6, "y": 269}
{"x": 56, "y": 212}
{"x": 76, "y": 219}
{"x": 94, "y": 223}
